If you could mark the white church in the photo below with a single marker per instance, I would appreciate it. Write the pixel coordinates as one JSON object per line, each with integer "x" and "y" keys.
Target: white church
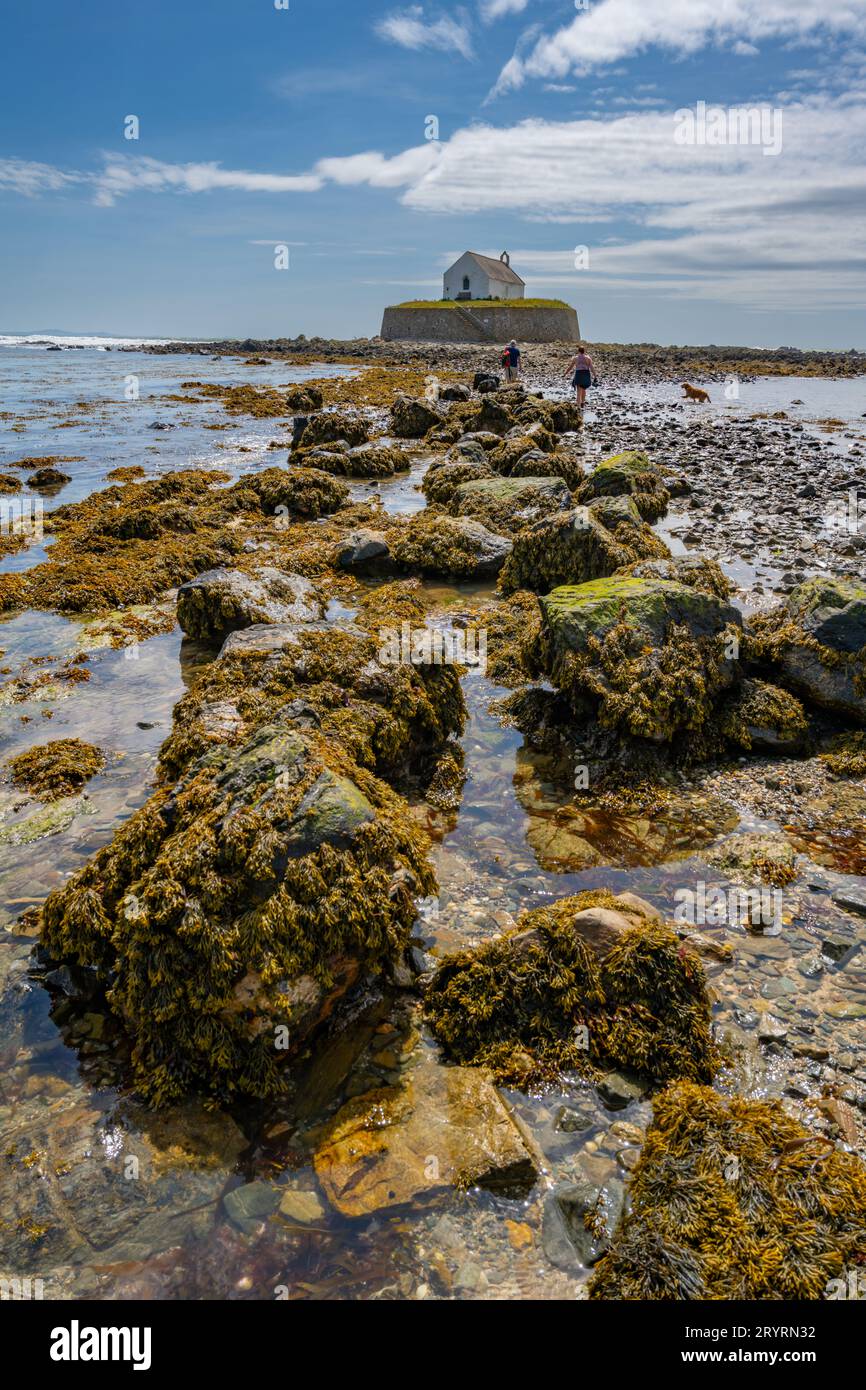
{"x": 481, "y": 277}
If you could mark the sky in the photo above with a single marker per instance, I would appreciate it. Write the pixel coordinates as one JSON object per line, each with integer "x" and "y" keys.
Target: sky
{"x": 296, "y": 165}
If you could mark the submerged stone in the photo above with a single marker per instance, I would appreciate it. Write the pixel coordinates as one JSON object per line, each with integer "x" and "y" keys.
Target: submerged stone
{"x": 442, "y": 1127}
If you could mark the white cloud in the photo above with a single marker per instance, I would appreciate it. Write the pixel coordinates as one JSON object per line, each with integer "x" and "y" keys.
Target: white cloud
{"x": 411, "y": 29}
{"x": 614, "y": 29}
{"x": 491, "y": 10}
{"x": 122, "y": 175}
{"x": 703, "y": 221}
{"x": 27, "y": 177}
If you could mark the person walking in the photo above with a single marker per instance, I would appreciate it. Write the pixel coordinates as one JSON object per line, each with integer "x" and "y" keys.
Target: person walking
{"x": 582, "y": 371}
{"x": 511, "y": 361}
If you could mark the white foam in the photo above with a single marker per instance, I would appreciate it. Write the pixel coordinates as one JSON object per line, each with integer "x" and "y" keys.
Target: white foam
{"x": 43, "y": 340}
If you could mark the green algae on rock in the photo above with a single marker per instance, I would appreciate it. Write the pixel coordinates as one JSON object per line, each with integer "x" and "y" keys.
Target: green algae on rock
{"x": 628, "y": 474}
{"x": 505, "y": 505}
{"x": 573, "y": 547}
{"x": 592, "y": 980}
{"x": 650, "y": 658}
{"x": 53, "y": 770}
{"x": 734, "y": 1199}
{"x": 815, "y": 644}
{"x": 697, "y": 571}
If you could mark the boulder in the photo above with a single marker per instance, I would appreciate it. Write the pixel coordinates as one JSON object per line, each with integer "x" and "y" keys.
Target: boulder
{"x": 372, "y": 460}
{"x": 328, "y": 425}
{"x": 361, "y": 549}
{"x": 568, "y": 548}
{"x": 485, "y": 382}
{"x": 649, "y": 658}
{"x": 508, "y": 504}
{"x": 587, "y": 979}
{"x": 457, "y": 547}
{"x": 412, "y": 418}
{"x": 304, "y": 492}
{"x": 816, "y": 644}
{"x": 222, "y": 600}
{"x": 442, "y": 1127}
{"x": 305, "y": 398}
{"x": 442, "y": 479}
{"x": 628, "y": 474}
{"x": 648, "y": 606}
{"x": 237, "y": 906}
{"x": 763, "y": 718}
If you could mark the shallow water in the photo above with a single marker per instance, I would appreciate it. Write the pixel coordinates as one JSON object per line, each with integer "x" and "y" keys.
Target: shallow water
{"x": 518, "y": 841}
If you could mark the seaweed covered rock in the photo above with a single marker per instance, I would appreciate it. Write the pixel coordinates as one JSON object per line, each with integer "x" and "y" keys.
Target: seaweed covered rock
{"x": 329, "y": 425}
{"x": 569, "y": 548}
{"x": 57, "y": 769}
{"x": 695, "y": 570}
{"x": 457, "y": 547}
{"x": 592, "y": 979}
{"x": 630, "y": 474}
{"x": 560, "y": 417}
{"x": 505, "y": 458}
{"x": 573, "y": 547}
{"x": 442, "y": 479}
{"x": 816, "y": 644}
{"x": 508, "y": 504}
{"x": 128, "y": 544}
{"x": 305, "y": 398}
{"x": 362, "y": 549}
{"x": 304, "y": 492}
{"x": 648, "y": 658}
{"x": 372, "y": 460}
{"x": 390, "y": 717}
{"x": 764, "y": 718}
{"x": 47, "y": 479}
{"x": 375, "y": 1153}
{"x": 734, "y": 1199}
{"x": 227, "y": 916}
{"x": 412, "y": 418}
{"x": 223, "y": 600}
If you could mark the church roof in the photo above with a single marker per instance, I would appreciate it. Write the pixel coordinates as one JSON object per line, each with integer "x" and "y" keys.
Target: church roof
{"x": 497, "y": 270}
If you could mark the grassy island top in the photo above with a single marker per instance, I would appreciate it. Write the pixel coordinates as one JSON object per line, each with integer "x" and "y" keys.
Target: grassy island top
{"x": 483, "y": 304}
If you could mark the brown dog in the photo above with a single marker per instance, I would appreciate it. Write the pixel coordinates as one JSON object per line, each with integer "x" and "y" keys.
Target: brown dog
{"x": 694, "y": 393}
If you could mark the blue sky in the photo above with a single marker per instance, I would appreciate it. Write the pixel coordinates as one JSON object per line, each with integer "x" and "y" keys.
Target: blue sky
{"x": 557, "y": 130}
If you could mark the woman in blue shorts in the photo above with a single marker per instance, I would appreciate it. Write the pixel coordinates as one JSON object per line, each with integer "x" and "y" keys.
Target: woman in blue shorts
{"x": 581, "y": 371}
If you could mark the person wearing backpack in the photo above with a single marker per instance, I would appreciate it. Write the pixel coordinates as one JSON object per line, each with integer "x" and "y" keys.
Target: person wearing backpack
{"x": 511, "y": 361}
